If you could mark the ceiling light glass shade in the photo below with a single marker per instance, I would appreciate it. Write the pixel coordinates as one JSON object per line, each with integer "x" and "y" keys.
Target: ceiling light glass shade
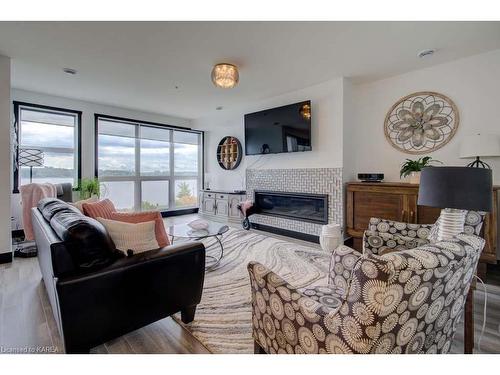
{"x": 225, "y": 76}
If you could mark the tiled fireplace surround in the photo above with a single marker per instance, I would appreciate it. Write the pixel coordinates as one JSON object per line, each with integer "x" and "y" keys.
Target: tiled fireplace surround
{"x": 306, "y": 180}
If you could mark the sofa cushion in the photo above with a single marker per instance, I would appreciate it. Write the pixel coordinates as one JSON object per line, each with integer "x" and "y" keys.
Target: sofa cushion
{"x": 141, "y": 217}
{"x": 79, "y": 204}
{"x": 85, "y": 238}
{"x": 50, "y": 206}
{"x": 102, "y": 209}
{"x": 138, "y": 237}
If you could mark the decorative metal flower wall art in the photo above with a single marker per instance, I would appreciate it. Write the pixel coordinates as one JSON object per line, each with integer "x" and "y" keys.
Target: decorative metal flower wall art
{"x": 421, "y": 122}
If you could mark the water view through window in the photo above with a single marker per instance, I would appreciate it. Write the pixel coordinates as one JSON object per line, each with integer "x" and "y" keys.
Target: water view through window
{"x": 54, "y": 134}
{"x": 148, "y": 167}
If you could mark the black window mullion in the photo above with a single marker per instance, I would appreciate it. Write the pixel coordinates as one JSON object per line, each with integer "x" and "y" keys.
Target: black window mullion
{"x": 171, "y": 181}
{"x": 137, "y": 183}
{"x": 77, "y": 115}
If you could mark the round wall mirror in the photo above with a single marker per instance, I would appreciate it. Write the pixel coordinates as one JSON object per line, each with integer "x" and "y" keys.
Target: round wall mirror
{"x": 229, "y": 153}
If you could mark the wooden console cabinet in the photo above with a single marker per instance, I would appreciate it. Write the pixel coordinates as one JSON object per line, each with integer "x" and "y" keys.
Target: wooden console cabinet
{"x": 398, "y": 201}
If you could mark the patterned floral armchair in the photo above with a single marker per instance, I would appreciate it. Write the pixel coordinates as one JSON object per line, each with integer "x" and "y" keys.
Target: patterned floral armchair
{"x": 402, "y": 302}
{"x": 384, "y": 236}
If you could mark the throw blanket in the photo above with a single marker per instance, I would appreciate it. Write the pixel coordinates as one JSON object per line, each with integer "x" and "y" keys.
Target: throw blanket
{"x": 245, "y": 206}
{"x": 30, "y": 196}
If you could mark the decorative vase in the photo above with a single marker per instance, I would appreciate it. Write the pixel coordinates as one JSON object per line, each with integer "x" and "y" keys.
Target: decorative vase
{"x": 330, "y": 237}
{"x": 450, "y": 223}
{"x": 414, "y": 178}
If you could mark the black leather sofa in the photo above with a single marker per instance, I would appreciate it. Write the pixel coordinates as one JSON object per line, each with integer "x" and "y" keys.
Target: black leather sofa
{"x": 96, "y": 292}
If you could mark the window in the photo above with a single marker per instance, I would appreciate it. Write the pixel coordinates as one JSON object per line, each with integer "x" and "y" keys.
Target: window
{"x": 53, "y": 135}
{"x": 144, "y": 166}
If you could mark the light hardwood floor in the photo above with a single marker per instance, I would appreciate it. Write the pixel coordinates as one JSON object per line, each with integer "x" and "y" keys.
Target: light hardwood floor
{"x": 26, "y": 319}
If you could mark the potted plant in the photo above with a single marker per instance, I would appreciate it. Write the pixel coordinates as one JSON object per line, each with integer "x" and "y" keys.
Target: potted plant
{"x": 89, "y": 187}
{"x": 412, "y": 168}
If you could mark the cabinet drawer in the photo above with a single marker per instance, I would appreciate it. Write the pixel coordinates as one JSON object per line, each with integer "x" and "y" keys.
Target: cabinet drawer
{"x": 208, "y": 195}
{"x": 222, "y": 196}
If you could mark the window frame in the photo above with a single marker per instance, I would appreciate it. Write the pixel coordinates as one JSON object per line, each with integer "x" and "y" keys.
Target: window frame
{"x": 17, "y": 106}
{"x": 137, "y": 178}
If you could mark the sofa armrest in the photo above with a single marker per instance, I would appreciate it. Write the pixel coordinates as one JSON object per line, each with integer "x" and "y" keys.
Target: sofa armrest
{"x": 342, "y": 263}
{"x": 164, "y": 254}
{"x": 130, "y": 293}
{"x": 283, "y": 318}
{"x": 385, "y": 236}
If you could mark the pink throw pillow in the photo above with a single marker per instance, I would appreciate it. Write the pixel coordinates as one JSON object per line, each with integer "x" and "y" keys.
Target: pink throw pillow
{"x": 102, "y": 209}
{"x": 141, "y": 217}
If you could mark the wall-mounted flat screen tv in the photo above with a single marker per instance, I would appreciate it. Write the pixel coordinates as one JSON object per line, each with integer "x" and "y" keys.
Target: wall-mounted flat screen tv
{"x": 277, "y": 130}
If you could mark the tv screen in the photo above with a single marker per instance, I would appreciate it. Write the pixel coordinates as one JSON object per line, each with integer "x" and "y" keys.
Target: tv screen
{"x": 276, "y": 130}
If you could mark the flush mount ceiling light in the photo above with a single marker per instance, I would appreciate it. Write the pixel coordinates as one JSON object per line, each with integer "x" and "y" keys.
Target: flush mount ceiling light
{"x": 225, "y": 75}
{"x": 426, "y": 53}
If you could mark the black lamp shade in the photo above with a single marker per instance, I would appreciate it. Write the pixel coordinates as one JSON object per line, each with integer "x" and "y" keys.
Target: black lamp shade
{"x": 462, "y": 188}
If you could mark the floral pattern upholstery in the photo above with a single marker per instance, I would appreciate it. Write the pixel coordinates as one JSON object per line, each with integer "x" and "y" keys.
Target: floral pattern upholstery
{"x": 329, "y": 296}
{"x": 406, "y": 301}
{"x": 385, "y": 236}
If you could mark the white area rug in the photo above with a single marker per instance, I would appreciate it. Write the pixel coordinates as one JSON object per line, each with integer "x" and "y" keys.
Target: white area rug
{"x": 223, "y": 321}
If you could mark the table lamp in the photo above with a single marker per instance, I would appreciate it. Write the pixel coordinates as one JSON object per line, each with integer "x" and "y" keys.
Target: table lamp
{"x": 30, "y": 157}
{"x": 461, "y": 188}
{"x": 479, "y": 145}
{"x": 456, "y": 189}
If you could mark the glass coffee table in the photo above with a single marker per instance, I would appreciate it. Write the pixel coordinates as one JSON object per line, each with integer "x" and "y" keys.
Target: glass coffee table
{"x": 215, "y": 230}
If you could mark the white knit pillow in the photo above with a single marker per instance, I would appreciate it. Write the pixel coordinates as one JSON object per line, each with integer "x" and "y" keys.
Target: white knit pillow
{"x": 450, "y": 223}
{"x": 138, "y": 237}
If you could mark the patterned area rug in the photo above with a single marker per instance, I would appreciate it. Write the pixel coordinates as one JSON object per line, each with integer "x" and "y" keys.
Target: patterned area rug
{"x": 223, "y": 321}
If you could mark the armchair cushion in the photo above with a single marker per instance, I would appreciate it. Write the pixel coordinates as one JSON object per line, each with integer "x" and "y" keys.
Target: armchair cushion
{"x": 385, "y": 236}
{"x": 473, "y": 224}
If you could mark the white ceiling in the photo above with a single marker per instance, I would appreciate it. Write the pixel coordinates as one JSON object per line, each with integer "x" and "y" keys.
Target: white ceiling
{"x": 138, "y": 64}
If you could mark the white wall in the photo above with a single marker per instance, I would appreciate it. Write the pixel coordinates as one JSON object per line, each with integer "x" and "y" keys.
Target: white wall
{"x": 88, "y": 109}
{"x": 348, "y": 167}
{"x": 5, "y": 155}
{"x": 327, "y": 108}
{"x": 472, "y": 83}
